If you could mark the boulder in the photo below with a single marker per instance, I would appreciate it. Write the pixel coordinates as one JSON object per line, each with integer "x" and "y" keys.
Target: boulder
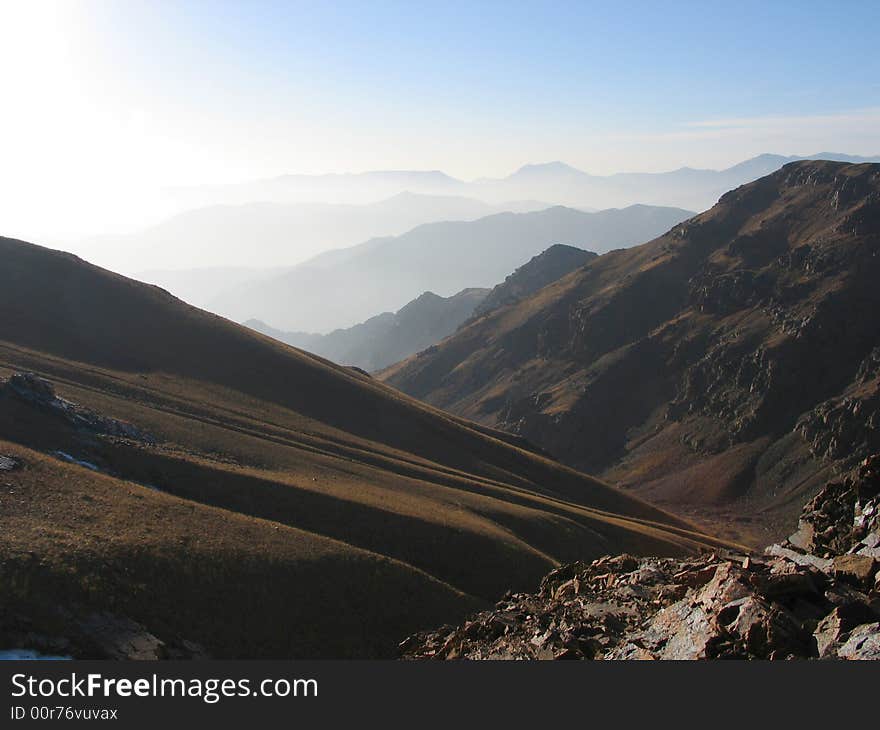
{"x": 863, "y": 643}
{"x": 837, "y": 624}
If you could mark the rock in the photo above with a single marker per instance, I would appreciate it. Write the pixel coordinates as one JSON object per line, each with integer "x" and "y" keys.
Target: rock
{"x": 7, "y": 463}
{"x": 121, "y": 638}
{"x": 788, "y": 580}
{"x": 695, "y": 578}
{"x": 32, "y": 387}
{"x": 856, "y": 569}
{"x": 682, "y": 631}
{"x": 40, "y": 394}
{"x": 804, "y": 538}
{"x": 863, "y": 643}
{"x": 822, "y": 564}
{"x": 767, "y": 630}
{"x": 838, "y": 623}
{"x": 789, "y": 603}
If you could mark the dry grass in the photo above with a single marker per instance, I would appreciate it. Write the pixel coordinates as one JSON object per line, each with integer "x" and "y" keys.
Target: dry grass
{"x": 306, "y": 510}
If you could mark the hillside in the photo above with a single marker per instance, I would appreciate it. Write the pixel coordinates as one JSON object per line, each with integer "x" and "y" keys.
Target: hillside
{"x": 722, "y": 370}
{"x": 199, "y": 488}
{"x": 535, "y": 274}
{"x": 339, "y": 290}
{"x": 389, "y": 337}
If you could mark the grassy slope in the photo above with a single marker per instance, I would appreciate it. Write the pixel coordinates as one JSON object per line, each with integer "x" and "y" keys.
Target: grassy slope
{"x": 307, "y": 510}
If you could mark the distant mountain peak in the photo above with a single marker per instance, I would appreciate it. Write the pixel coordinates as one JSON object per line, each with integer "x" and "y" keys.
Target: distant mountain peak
{"x": 548, "y": 168}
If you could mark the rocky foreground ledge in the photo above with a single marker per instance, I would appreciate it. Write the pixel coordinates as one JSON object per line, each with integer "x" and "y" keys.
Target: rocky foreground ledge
{"x": 815, "y": 596}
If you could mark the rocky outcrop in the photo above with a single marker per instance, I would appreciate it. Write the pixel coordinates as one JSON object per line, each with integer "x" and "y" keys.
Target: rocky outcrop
{"x": 40, "y": 393}
{"x": 815, "y": 596}
{"x": 847, "y": 428}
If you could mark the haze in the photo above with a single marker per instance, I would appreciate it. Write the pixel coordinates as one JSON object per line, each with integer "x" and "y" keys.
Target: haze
{"x": 109, "y": 106}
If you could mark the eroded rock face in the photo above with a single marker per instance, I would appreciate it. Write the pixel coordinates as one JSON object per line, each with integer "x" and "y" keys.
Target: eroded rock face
{"x": 788, "y": 603}
{"x": 40, "y": 393}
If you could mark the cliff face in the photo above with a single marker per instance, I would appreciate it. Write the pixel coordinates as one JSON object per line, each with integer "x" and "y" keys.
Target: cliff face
{"x": 723, "y": 369}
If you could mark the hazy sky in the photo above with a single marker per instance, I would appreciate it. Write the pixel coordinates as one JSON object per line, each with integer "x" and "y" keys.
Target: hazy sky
{"x": 105, "y": 102}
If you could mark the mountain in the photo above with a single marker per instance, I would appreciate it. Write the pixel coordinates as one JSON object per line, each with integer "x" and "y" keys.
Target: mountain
{"x": 272, "y": 234}
{"x": 349, "y": 188}
{"x": 388, "y": 337}
{"x": 555, "y": 182}
{"x": 176, "y": 484}
{"x": 684, "y": 188}
{"x": 336, "y": 290}
{"x": 722, "y": 370}
{"x": 538, "y": 272}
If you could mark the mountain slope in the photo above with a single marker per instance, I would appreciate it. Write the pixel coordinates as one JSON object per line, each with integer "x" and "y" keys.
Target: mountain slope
{"x": 721, "y": 370}
{"x": 383, "y": 274}
{"x": 215, "y": 486}
{"x": 389, "y": 337}
{"x": 535, "y": 274}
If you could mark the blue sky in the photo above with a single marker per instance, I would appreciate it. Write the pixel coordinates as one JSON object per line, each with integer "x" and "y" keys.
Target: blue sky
{"x": 165, "y": 92}
{"x": 608, "y": 65}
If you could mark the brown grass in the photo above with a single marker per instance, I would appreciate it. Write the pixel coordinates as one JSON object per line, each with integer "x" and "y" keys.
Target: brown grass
{"x": 305, "y": 510}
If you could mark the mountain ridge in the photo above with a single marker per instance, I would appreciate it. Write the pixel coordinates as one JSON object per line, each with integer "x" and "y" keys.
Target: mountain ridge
{"x": 446, "y": 257}
{"x": 669, "y": 368}
{"x": 388, "y": 337}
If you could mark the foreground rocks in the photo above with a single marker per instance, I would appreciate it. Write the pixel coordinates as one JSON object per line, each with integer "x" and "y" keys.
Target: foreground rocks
{"x": 815, "y": 596}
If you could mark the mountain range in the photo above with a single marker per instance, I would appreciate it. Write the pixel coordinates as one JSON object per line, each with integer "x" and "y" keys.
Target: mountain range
{"x": 723, "y": 370}
{"x": 388, "y": 337}
{"x": 336, "y": 289}
{"x": 273, "y": 234}
{"x": 176, "y": 485}
{"x": 554, "y": 182}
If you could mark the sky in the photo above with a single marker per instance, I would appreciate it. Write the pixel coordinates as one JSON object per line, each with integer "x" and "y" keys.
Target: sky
{"x": 106, "y": 103}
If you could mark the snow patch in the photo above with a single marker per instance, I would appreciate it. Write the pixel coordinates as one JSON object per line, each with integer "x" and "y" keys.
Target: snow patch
{"x": 73, "y": 460}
